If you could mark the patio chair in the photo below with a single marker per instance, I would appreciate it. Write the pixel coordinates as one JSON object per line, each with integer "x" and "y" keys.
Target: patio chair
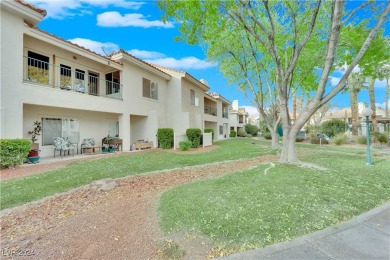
{"x": 87, "y": 142}
{"x": 63, "y": 145}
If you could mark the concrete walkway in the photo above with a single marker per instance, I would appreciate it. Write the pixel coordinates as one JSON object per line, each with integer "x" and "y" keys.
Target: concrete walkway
{"x": 363, "y": 237}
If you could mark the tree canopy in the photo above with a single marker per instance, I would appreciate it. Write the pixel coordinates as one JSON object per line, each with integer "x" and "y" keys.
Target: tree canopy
{"x": 272, "y": 49}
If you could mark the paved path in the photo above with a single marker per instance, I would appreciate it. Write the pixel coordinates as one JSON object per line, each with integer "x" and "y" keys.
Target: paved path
{"x": 364, "y": 237}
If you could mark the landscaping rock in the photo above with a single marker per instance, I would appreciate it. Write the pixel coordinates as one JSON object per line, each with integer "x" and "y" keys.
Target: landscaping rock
{"x": 104, "y": 185}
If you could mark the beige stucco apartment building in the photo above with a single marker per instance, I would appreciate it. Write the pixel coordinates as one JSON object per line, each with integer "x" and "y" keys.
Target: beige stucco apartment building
{"x": 77, "y": 93}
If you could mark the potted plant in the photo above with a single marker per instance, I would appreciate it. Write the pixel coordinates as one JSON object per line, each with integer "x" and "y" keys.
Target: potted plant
{"x": 33, "y": 154}
{"x": 111, "y": 142}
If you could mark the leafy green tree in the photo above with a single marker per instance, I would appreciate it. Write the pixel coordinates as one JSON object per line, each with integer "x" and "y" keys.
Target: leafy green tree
{"x": 296, "y": 40}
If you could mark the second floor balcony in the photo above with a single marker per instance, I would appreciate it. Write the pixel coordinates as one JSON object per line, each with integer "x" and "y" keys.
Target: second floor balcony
{"x": 65, "y": 78}
{"x": 210, "y": 110}
{"x": 225, "y": 114}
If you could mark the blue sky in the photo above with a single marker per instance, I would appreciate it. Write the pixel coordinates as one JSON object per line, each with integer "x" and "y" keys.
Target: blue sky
{"x": 136, "y": 28}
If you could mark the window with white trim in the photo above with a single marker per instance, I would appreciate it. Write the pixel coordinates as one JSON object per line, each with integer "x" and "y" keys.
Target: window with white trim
{"x": 194, "y": 100}
{"x": 149, "y": 89}
{"x": 60, "y": 127}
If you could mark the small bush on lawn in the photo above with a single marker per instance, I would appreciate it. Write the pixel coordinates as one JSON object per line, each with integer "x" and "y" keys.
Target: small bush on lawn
{"x": 267, "y": 136}
{"x": 340, "y": 139}
{"x": 13, "y": 151}
{"x": 299, "y": 139}
{"x": 361, "y": 140}
{"x": 209, "y": 130}
{"x": 316, "y": 140}
{"x": 193, "y": 135}
{"x": 165, "y": 137}
{"x": 185, "y": 145}
{"x": 233, "y": 133}
{"x": 333, "y": 127}
{"x": 251, "y": 129}
{"x": 241, "y": 132}
{"x": 381, "y": 138}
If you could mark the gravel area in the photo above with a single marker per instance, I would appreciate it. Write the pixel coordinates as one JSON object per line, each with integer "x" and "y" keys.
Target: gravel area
{"x": 94, "y": 223}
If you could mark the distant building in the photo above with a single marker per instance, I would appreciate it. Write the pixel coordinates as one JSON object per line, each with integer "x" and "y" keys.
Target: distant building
{"x": 238, "y": 117}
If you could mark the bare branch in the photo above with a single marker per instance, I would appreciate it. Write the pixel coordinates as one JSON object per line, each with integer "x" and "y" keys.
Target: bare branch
{"x": 352, "y": 13}
{"x": 341, "y": 85}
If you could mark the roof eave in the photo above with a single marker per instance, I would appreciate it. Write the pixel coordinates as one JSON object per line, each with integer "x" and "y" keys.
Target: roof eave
{"x": 31, "y": 16}
{"x": 191, "y": 79}
{"x": 141, "y": 64}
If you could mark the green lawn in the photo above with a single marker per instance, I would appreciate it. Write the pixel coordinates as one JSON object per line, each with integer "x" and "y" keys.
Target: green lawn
{"x": 250, "y": 209}
{"x": 22, "y": 190}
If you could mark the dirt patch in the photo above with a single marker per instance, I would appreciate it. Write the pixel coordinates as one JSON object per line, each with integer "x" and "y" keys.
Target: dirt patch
{"x": 90, "y": 223}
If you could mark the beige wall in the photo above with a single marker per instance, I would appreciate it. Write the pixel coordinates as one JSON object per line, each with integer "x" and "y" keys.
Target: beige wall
{"x": 92, "y": 124}
{"x": 11, "y": 75}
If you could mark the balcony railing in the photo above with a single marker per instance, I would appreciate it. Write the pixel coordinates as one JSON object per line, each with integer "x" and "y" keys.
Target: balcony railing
{"x": 64, "y": 78}
{"x": 225, "y": 114}
{"x": 210, "y": 110}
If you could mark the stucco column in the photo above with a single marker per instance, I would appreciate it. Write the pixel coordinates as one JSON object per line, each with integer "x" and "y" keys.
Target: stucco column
{"x": 124, "y": 130}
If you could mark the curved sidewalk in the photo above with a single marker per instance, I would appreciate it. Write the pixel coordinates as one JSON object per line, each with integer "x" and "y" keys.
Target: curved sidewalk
{"x": 363, "y": 237}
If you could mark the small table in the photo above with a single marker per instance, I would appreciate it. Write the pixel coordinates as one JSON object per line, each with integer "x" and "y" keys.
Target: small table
{"x": 91, "y": 149}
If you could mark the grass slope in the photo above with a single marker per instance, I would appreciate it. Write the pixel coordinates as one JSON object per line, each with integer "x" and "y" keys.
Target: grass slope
{"x": 22, "y": 190}
{"x": 250, "y": 209}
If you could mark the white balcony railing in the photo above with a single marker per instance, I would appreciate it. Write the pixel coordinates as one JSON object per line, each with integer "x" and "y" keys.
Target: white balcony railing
{"x": 40, "y": 72}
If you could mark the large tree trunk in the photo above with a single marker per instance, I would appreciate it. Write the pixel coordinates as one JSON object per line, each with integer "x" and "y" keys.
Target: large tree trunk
{"x": 354, "y": 111}
{"x": 294, "y": 106}
{"x": 275, "y": 137}
{"x": 371, "y": 92}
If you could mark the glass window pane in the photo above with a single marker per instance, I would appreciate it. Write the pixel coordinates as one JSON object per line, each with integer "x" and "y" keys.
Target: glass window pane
{"x": 51, "y": 127}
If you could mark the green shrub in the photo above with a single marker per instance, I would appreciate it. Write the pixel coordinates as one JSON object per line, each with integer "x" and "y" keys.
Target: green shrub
{"x": 381, "y": 138}
{"x": 267, "y": 136}
{"x": 193, "y": 135}
{"x": 333, "y": 127}
{"x": 13, "y": 151}
{"x": 299, "y": 139}
{"x": 209, "y": 130}
{"x": 251, "y": 129}
{"x": 185, "y": 145}
{"x": 361, "y": 140}
{"x": 232, "y": 133}
{"x": 165, "y": 137}
{"x": 241, "y": 132}
{"x": 340, "y": 139}
{"x": 312, "y": 130}
{"x": 316, "y": 140}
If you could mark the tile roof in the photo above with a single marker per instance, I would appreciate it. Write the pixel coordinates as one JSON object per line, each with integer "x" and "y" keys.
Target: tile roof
{"x": 134, "y": 57}
{"x": 183, "y": 72}
{"x": 32, "y": 7}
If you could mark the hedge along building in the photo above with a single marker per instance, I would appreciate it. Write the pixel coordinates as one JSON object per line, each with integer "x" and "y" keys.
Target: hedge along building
{"x": 80, "y": 94}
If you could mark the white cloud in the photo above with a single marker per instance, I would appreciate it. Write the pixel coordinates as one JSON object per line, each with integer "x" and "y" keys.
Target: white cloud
{"x": 343, "y": 68}
{"x": 251, "y": 110}
{"x": 382, "y": 105}
{"x": 380, "y": 83}
{"x": 146, "y": 54}
{"x": 183, "y": 63}
{"x": 334, "y": 81}
{"x": 59, "y": 9}
{"x": 115, "y": 19}
{"x": 96, "y": 46}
